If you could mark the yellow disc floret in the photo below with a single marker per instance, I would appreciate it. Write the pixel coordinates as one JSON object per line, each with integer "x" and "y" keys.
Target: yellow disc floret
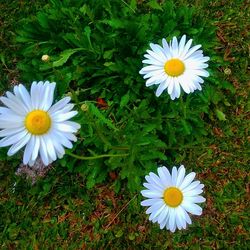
{"x": 37, "y": 122}
{"x": 174, "y": 67}
{"x": 173, "y": 196}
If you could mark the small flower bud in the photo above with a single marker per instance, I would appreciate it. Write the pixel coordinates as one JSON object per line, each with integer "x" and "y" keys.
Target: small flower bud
{"x": 85, "y": 107}
{"x": 227, "y": 71}
{"x": 45, "y": 58}
{"x": 69, "y": 94}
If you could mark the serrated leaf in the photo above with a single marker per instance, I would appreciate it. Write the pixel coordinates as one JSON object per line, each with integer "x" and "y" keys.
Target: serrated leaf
{"x": 64, "y": 56}
{"x": 154, "y": 5}
{"x": 101, "y": 117}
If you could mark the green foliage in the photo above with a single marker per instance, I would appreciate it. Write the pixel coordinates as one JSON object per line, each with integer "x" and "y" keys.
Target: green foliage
{"x": 96, "y": 49}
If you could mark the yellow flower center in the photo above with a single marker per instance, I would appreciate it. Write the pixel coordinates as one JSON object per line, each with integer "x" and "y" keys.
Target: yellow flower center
{"x": 37, "y": 122}
{"x": 173, "y": 196}
{"x": 174, "y": 67}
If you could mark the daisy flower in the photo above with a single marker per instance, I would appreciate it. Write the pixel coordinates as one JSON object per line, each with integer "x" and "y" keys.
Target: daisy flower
{"x": 174, "y": 66}
{"x": 30, "y": 120}
{"x": 170, "y": 197}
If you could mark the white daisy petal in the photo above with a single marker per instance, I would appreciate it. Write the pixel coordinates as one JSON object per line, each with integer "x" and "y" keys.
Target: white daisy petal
{"x": 28, "y": 150}
{"x": 25, "y": 96}
{"x": 168, "y": 203}
{"x": 64, "y": 117}
{"x": 161, "y": 88}
{"x": 154, "y": 73}
{"x": 70, "y": 136}
{"x": 66, "y": 127}
{"x": 176, "y": 55}
{"x": 195, "y": 199}
{"x": 156, "y": 79}
{"x": 6, "y": 111}
{"x": 43, "y": 152}
{"x": 156, "y": 212}
{"x": 50, "y": 147}
{"x": 165, "y": 222}
{"x": 147, "y": 69}
{"x": 59, "y": 105}
{"x": 193, "y": 192}
{"x": 186, "y": 48}
{"x": 174, "y": 175}
{"x": 172, "y": 220}
{"x": 192, "y": 185}
{"x": 181, "y": 45}
{"x": 187, "y": 180}
{"x": 163, "y": 215}
{"x": 158, "y": 57}
{"x": 174, "y": 47}
{"x": 12, "y": 139}
{"x": 30, "y": 119}
{"x": 179, "y": 221}
{"x": 187, "y": 217}
{"x": 184, "y": 84}
{"x": 166, "y": 49}
{"x": 17, "y": 107}
{"x": 192, "y": 208}
{"x": 152, "y": 187}
{"x": 180, "y": 212}
{"x": 177, "y": 89}
{"x": 150, "y": 202}
{"x": 12, "y": 118}
{"x": 63, "y": 140}
{"x": 156, "y": 206}
{"x": 31, "y": 163}
{"x": 156, "y": 180}
{"x": 151, "y": 194}
{"x": 171, "y": 86}
{"x": 152, "y": 61}
{"x": 165, "y": 176}
{"x": 35, "y": 148}
{"x": 153, "y": 182}
{"x": 180, "y": 175}
{"x": 34, "y": 93}
{"x": 192, "y": 50}
{"x": 17, "y": 146}
{"x": 200, "y": 72}
{"x": 11, "y": 131}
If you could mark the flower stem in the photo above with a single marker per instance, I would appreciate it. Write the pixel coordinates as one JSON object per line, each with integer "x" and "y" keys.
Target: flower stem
{"x": 95, "y": 157}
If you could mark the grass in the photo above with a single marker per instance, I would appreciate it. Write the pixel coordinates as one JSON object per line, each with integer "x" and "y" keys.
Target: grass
{"x": 58, "y": 212}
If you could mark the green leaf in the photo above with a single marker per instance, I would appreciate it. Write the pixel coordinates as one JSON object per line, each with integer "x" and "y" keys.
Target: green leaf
{"x": 109, "y": 53}
{"x": 43, "y": 20}
{"x": 221, "y": 116}
{"x": 154, "y": 5}
{"x": 64, "y": 56}
{"x": 133, "y": 4}
{"x": 100, "y": 116}
{"x": 87, "y": 31}
{"x": 124, "y": 100}
{"x": 2, "y": 58}
{"x": 115, "y": 23}
{"x": 119, "y": 233}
